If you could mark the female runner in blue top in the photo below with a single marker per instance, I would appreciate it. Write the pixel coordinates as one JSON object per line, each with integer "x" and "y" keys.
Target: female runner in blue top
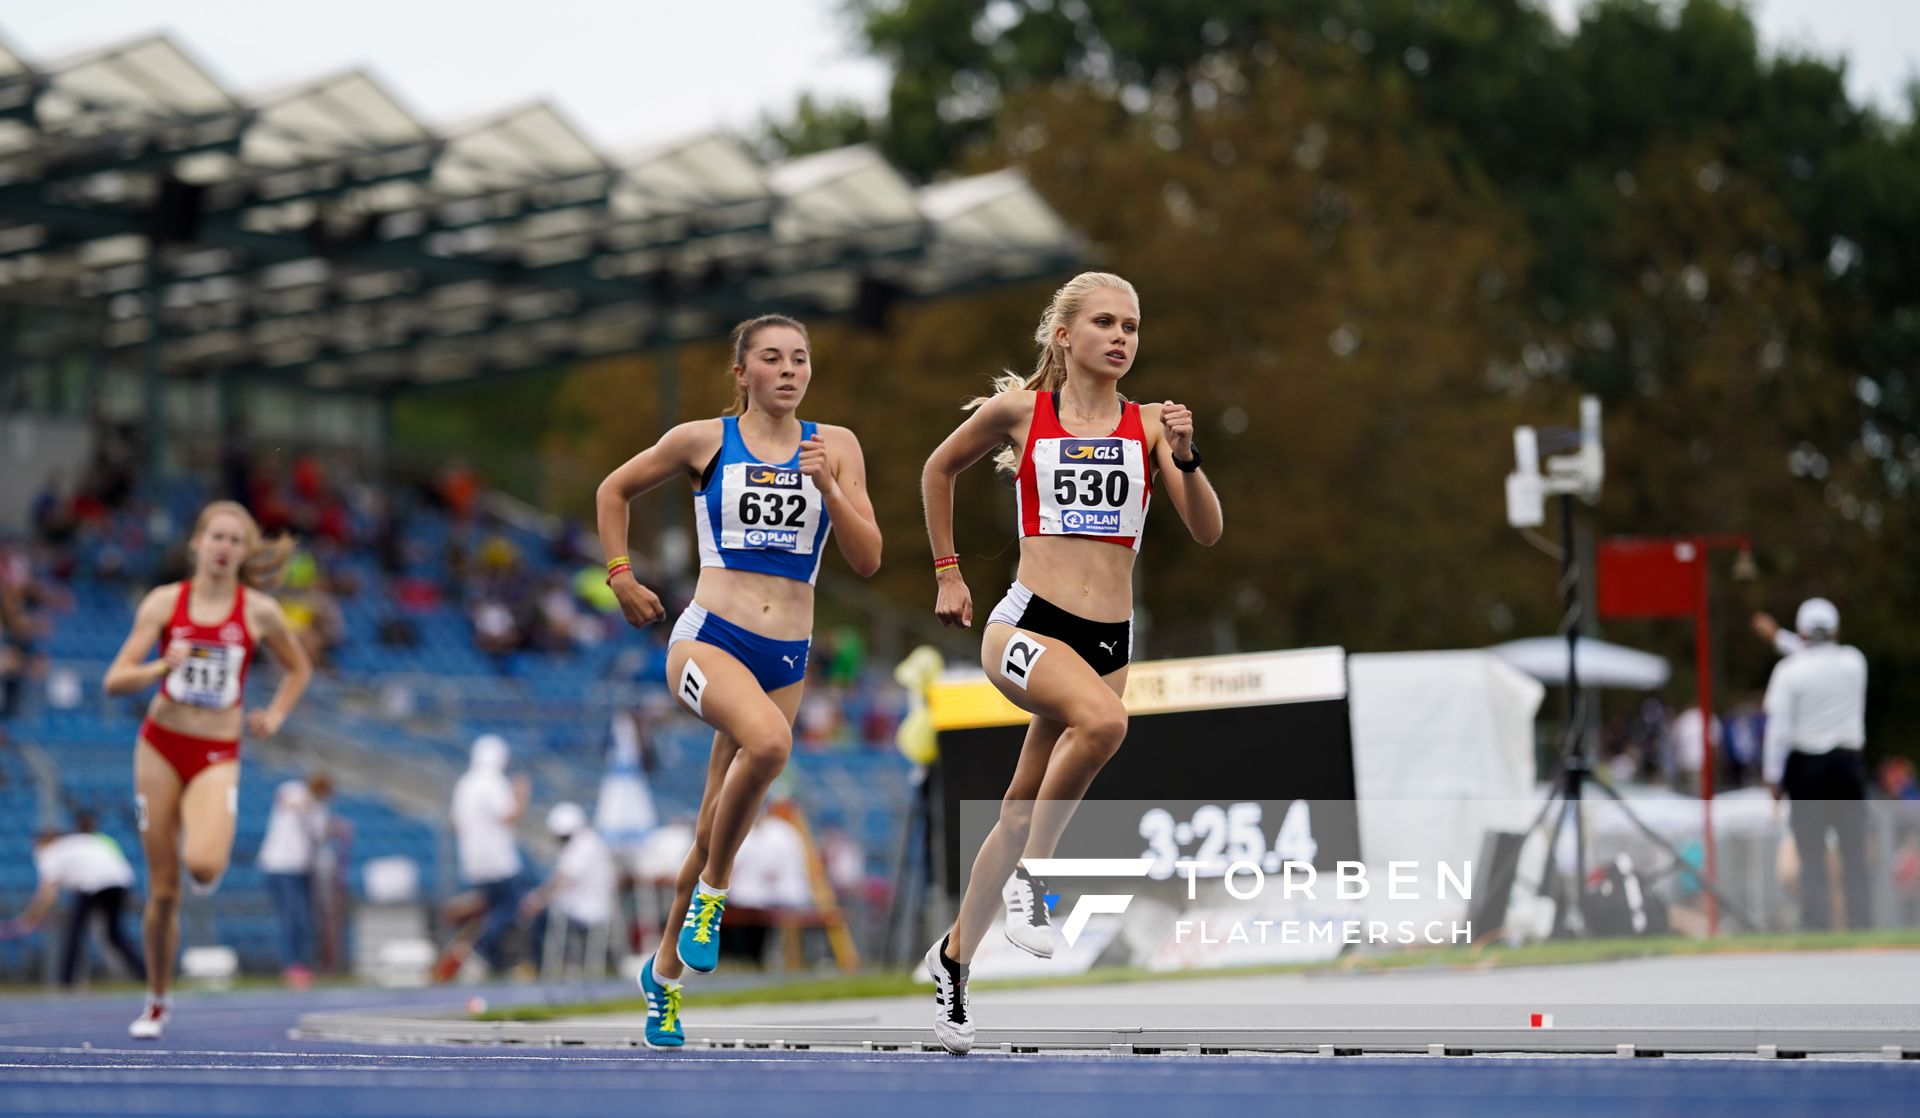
{"x": 768, "y": 486}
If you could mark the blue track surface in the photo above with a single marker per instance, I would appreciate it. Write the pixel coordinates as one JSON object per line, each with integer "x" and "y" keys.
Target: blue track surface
{"x": 231, "y": 1056}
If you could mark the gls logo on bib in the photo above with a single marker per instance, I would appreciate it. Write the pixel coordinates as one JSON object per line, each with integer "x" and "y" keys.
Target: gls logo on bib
{"x": 765, "y": 477}
{"x": 1091, "y": 450}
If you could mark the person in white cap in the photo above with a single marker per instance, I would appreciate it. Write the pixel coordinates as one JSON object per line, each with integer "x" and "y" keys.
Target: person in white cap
{"x": 486, "y": 805}
{"x": 581, "y": 887}
{"x": 1816, "y": 727}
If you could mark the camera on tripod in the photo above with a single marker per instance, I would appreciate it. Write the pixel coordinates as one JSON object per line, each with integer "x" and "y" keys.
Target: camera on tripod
{"x": 1576, "y": 473}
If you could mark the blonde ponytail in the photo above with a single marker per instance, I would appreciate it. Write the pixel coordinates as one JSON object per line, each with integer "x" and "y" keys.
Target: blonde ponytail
{"x": 1050, "y": 371}
{"x": 265, "y": 566}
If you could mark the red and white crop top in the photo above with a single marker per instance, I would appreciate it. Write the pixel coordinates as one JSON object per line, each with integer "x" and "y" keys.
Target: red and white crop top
{"x": 215, "y": 670}
{"x": 1072, "y": 486}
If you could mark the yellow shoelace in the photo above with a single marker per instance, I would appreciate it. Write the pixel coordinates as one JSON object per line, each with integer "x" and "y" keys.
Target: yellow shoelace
{"x": 670, "y": 1017}
{"x": 709, "y": 912}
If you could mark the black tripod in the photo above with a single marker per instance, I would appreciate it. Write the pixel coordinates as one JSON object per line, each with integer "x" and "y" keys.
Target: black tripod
{"x": 1575, "y": 773}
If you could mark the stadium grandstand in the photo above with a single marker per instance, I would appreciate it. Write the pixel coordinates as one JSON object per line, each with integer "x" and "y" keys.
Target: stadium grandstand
{"x": 181, "y": 264}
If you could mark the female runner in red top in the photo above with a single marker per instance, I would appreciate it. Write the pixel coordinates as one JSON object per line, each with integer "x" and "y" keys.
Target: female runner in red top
{"x": 186, "y": 762}
{"x": 1084, "y": 459}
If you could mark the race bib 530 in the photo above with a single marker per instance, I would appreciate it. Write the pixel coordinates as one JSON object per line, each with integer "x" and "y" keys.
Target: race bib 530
{"x": 1090, "y": 487}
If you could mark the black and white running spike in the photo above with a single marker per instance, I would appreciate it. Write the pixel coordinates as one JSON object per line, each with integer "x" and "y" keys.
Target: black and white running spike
{"x": 952, "y": 1015}
{"x": 1028, "y": 925}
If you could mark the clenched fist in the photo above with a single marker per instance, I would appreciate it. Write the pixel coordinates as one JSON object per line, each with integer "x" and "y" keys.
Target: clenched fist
{"x": 639, "y": 605}
{"x": 815, "y": 464}
{"x": 1178, "y": 421}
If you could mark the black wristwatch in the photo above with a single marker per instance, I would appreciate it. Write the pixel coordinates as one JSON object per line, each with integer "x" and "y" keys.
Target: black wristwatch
{"x": 1190, "y": 464}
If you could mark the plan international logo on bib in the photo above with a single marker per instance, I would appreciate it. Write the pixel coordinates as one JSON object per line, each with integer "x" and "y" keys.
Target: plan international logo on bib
{"x": 1090, "y": 521}
{"x": 772, "y": 537}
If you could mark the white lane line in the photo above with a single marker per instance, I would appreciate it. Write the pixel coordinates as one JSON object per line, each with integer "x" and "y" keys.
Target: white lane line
{"x": 613, "y": 1054}
{"x": 323, "y": 1061}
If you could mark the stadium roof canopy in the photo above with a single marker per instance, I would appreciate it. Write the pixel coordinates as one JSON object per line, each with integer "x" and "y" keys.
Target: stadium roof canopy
{"x": 323, "y": 236}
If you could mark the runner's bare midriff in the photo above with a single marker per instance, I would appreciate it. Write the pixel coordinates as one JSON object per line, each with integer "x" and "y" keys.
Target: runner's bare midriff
{"x": 772, "y": 606}
{"x": 198, "y": 722}
{"x": 1086, "y": 577}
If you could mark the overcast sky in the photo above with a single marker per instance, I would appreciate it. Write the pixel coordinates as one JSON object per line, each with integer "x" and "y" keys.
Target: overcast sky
{"x": 632, "y": 71}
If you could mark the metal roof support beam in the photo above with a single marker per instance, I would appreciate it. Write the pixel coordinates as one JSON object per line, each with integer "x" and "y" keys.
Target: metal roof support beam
{"x": 154, "y": 380}
{"x": 236, "y": 196}
{"x": 276, "y": 248}
{"x": 77, "y": 159}
{"x": 295, "y": 371}
{"x": 19, "y": 97}
{"x": 9, "y": 353}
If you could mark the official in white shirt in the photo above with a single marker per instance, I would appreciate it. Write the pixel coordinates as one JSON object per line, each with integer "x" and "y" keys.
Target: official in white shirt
{"x": 581, "y": 887}
{"x": 93, "y": 867}
{"x": 486, "y": 806}
{"x": 1816, "y": 727}
{"x": 296, "y": 829}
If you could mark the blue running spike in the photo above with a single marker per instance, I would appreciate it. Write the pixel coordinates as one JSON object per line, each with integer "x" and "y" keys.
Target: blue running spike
{"x": 699, "y": 942}
{"x": 663, "y": 1010}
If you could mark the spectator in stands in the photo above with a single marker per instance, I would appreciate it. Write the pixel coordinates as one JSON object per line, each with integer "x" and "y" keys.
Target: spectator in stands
{"x": 308, "y": 483}
{"x": 236, "y": 459}
{"x": 1746, "y": 727}
{"x": 494, "y": 629}
{"x": 459, "y": 489}
{"x": 93, "y": 867}
{"x": 560, "y": 625}
{"x": 818, "y": 725}
{"x": 500, "y": 561}
{"x": 53, "y": 513}
{"x": 844, "y": 656}
{"x": 23, "y": 598}
{"x": 114, "y": 457}
{"x": 1896, "y": 779}
{"x": 296, "y": 828}
{"x": 844, "y": 859}
{"x": 581, "y": 887}
{"x": 486, "y": 806}
{"x": 13, "y": 667}
{"x": 312, "y": 612}
{"x": 1686, "y": 748}
{"x": 382, "y": 513}
{"x": 267, "y": 501}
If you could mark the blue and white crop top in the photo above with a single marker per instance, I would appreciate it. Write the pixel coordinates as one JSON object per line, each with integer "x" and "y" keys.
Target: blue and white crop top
{"x": 756, "y": 516}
